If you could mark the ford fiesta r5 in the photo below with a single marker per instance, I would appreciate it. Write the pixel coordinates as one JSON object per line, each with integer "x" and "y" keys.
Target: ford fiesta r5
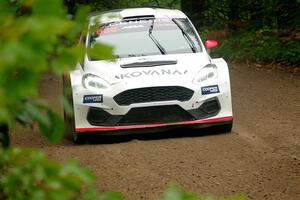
{"x": 162, "y": 77}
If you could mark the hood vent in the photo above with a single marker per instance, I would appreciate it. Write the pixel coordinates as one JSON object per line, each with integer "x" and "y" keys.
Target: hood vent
{"x": 149, "y": 63}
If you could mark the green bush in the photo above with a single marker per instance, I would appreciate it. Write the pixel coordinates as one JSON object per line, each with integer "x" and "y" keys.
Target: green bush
{"x": 28, "y": 174}
{"x": 258, "y": 46}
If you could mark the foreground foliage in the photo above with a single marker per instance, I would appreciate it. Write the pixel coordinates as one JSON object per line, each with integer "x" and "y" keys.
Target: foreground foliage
{"x": 28, "y": 174}
{"x": 173, "y": 193}
{"x": 36, "y": 37}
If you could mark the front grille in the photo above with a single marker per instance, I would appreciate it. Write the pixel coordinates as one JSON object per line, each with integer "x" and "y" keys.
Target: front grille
{"x": 155, "y": 114}
{"x": 152, "y": 94}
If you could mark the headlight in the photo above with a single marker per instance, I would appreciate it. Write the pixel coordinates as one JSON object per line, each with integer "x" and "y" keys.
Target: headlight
{"x": 206, "y": 73}
{"x": 91, "y": 81}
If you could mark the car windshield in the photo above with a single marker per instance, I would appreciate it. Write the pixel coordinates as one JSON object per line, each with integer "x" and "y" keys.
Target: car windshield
{"x": 148, "y": 37}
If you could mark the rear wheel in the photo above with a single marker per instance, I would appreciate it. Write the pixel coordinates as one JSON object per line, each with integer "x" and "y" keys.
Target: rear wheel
{"x": 69, "y": 120}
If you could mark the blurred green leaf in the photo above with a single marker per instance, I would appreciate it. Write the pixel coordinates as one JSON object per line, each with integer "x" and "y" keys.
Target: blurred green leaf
{"x": 36, "y": 37}
{"x": 53, "y": 129}
{"x": 67, "y": 58}
{"x": 110, "y": 196}
{"x": 48, "y": 8}
{"x": 38, "y": 178}
{"x": 101, "y": 52}
{"x": 67, "y": 106}
{"x": 174, "y": 193}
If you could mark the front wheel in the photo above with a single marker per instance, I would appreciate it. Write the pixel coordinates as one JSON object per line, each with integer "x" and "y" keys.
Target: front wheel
{"x": 224, "y": 128}
{"x": 4, "y": 137}
{"x": 69, "y": 120}
{"x": 77, "y": 138}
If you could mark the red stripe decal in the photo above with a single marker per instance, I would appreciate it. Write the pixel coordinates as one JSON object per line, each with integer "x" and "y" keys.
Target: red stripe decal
{"x": 114, "y": 128}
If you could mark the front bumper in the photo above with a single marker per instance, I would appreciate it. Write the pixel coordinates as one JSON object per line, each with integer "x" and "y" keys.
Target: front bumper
{"x": 155, "y": 118}
{"x": 143, "y": 128}
{"x": 153, "y": 114}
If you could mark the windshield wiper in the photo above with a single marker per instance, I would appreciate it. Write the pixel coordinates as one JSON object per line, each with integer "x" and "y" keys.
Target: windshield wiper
{"x": 186, "y": 35}
{"x": 161, "y": 49}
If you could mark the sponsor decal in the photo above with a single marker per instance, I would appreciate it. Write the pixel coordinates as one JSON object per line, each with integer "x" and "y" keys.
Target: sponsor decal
{"x": 101, "y": 31}
{"x": 150, "y": 72}
{"x": 210, "y": 89}
{"x": 94, "y": 98}
{"x": 133, "y": 26}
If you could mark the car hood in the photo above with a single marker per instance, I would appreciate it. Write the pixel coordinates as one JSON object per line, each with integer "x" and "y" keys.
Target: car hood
{"x": 153, "y": 70}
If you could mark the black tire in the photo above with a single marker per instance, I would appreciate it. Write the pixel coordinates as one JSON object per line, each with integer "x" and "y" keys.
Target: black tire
{"x": 69, "y": 118}
{"x": 224, "y": 128}
{"x": 4, "y": 137}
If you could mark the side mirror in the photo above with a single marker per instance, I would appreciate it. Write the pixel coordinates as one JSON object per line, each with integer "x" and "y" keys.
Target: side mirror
{"x": 210, "y": 44}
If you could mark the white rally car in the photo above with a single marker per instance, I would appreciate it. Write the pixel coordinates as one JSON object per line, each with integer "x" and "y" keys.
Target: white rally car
{"x": 162, "y": 77}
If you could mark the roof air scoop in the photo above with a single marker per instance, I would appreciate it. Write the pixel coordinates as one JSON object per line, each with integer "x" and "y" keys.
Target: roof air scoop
{"x": 137, "y": 13}
{"x": 138, "y": 17}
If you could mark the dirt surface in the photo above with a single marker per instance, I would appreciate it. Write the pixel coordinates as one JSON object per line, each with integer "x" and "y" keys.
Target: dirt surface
{"x": 259, "y": 158}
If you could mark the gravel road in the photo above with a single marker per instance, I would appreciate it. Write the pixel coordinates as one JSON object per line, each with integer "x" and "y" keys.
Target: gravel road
{"x": 259, "y": 158}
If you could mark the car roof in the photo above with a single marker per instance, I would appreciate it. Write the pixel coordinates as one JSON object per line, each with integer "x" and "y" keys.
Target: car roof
{"x": 135, "y": 13}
